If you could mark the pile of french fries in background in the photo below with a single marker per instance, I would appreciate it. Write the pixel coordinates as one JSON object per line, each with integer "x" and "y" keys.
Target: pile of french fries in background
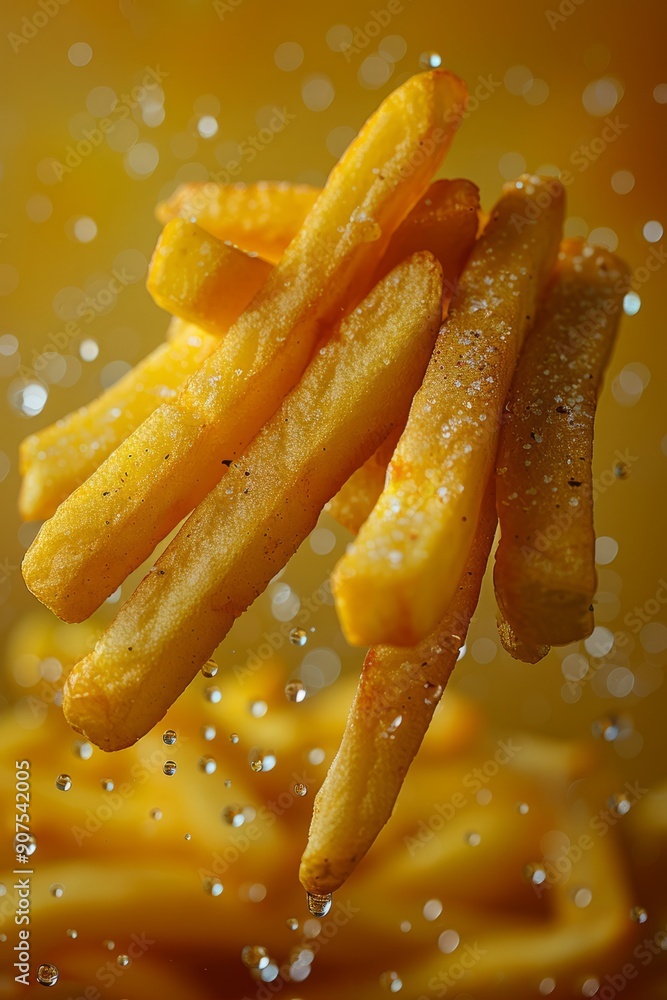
{"x": 362, "y": 349}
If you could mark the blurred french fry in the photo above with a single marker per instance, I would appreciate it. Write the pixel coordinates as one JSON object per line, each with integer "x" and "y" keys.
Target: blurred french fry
{"x": 262, "y": 218}
{"x": 545, "y": 565}
{"x": 54, "y": 461}
{"x": 398, "y": 692}
{"x": 201, "y": 279}
{"x": 356, "y": 389}
{"x": 444, "y": 222}
{"x": 397, "y": 579}
{"x": 114, "y": 520}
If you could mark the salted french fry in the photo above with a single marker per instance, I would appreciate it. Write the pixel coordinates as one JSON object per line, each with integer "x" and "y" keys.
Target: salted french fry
{"x": 262, "y": 218}
{"x": 201, "y": 279}
{"x": 357, "y": 388}
{"x": 545, "y": 565}
{"x": 398, "y": 692}
{"x": 56, "y": 460}
{"x": 444, "y": 222}
{"x": 114, "y": 520}
{"x": 397, "y": 579}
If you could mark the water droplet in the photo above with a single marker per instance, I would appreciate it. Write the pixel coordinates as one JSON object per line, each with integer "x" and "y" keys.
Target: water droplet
{"x": 256, "y": 765}
{"x": 233, "y": 815}
{"x": 155, "y": 814}
{"x": 123, "y": 960}
{"x": 213, "y": 886}
{"x": 169, "y": 767}
{"x": 47, "y": 974}
{"x": 71, "y": 933}
{"x": 534, "y": 873}
{"x": 258, "y": 709}
{"x": 107, "y": 784}
{"x": 300, "y": 789}
{"x": 57, "y": 890}
{"x": 210, "y": 668}
{"x": 621, "y": 470}
{"x": 295, "y": 691}
{"x": 391, "y": 981}
{"x": 430, "y": 60}
{"x": 213, "y": 694}
{"x": 29, "y": 846}
{"x": 82, "y": 749}
{"x": 255, "y": 956}
{"x": 187, "y": 836}
{"x": 207, "y": 764}
{"x": 233, "y": 737}
{"x": 432, "y": 909}
{"x": 391, "y": 724}
{"x": 109, "y": 945}
{"x": 208, "y": 732}
{"x": 298, "y": 637}
{"x": 638, "y": 914}
{"x": 319, "y": 905}
{"x": 64, "y": 782}
{"x": 619, "y": 803}
{"x": 472, "y": 838}
{"x": 292, "y": 923}
{"x": 606, "y": 728}
{"x": 169, "y": 737}
{"x": 522, "y": 808}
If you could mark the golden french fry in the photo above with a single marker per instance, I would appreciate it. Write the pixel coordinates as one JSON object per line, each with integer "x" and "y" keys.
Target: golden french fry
{"x": 545, "y": 565}
{"x": 262, "y": 218}
{"x": 56, "y": 460}
{"x": 398, "y": 577}
{"x": 444, "y": 222}
{"x": 519, "y": 647}
{"x": 114, "y": 520}
{"x": 356, "y": 389}
{"x": 201, "y": 279}
{"x": 398, "y": 691}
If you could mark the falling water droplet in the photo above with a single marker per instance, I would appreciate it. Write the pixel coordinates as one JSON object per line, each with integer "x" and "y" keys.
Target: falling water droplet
{"x": 169, "y": 737}
{"x": 82, "y": 749}
{"x": 107, "y": 784}
{"x": 255, "y": 956}
{"x": 522, "y": 808}
{"x": 207, "y": 764}
{"x": 606, "y": 728}
{"x": 430, "y": 60}
{"x": 292, "y": 923}
{"x": 64, "y": 782}
{"x": 208, "y": 732}
{"x": 155, "y": 814}
{"x": 295, "y": 691}
{"x": 210, "y": 668}
{"x": 187, "y": 836}
{"x": 621, "y": 470}
{"x": 619, "y": 803}
{"x": 123, "y": 960}
{"x": 534, "y": 873}
{"x": 638, "y": 914}
{"x": 47, "y": 974}
{"x": 233, "y": 737}
{"x": 169, "y": 767}
{"x": 298, "y": 637}
{"x": 57, "y": 890}
{"x": 213, "y": 694}
{"x": 213, "y": 886}
{"x": 300, "y": 789}
{"x": 233, "y": 815}
{"x": 256, "y": 765}
{"x": 391, "y": 981}
{"x": 71, "y": 933}
{"x": 319, "y": 904}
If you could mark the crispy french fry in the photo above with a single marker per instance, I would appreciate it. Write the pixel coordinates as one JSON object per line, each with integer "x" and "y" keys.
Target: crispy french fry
{"x": 398, "y": 692}
{"x": 201, "y": 279}
{"x": 545, "y": 565}
{"x": 444, "y": 222}
{"x": 263, "y": 218}
{"x": 56, "y": 460}
{"x": 114, "y": 520}
{"x": 398, "y": 577}
{"x": 517, "y": 646}
{"x": 356, "y": 389}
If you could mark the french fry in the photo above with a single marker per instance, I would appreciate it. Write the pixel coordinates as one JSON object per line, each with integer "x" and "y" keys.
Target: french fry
{"x": 443, "y": 222}
{"x": 114, "y": 520}
{"x": 56, "y": 460}
{"x": 397, "y": 579}
{"x": 398, "y": 692}
{"x": 545, "y": 565}
{"x": 262, "y": 218}
{"x": 519, "y": 647}
{"x": 356, "y": 389}
{"x": 201, "y": 279}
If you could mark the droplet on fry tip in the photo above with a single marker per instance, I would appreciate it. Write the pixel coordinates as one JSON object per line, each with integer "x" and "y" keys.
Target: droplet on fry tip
{"x": 319, "y": 904}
